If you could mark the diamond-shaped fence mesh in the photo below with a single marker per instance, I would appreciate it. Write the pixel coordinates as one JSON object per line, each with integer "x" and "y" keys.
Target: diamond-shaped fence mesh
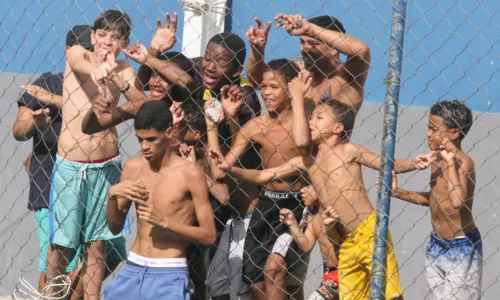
{"x": 273, "y": 127}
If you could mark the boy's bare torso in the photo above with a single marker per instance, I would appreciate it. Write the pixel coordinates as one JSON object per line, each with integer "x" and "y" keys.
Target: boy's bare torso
{"x": 338, "y": 181}
{"x": 168, "y": 190}
{"x": 329, "y": 245}
{"x": 447, "y": 221}
{"x": 277, "y": 147}
{"x": 78, "y": 94}
{"x": 336, "y": 87}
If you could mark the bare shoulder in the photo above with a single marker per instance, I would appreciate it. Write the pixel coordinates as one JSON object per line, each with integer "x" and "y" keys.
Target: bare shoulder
{"x": 134, "y": 162}
{"x": 466, "y": 163}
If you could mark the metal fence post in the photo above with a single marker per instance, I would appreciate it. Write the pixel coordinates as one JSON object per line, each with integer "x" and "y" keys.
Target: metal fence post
{"x": 377, "y": 286}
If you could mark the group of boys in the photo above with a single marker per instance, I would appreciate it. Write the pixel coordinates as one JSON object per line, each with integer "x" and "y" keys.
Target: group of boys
{"x": 213, "y": 170}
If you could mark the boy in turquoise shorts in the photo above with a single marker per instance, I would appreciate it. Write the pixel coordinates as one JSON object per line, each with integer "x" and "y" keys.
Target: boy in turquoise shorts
{"x": 88, "y": 165}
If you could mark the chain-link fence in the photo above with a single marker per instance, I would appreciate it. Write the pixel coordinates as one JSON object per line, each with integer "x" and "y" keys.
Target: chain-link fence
{"x": 450, "y": 51}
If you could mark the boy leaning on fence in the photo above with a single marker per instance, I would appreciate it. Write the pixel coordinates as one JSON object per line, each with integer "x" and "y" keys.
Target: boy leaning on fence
{"x": 454, "y": 255}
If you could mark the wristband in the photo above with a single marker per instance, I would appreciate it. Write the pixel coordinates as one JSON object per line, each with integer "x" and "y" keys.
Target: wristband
{"x": 125, "y": 89}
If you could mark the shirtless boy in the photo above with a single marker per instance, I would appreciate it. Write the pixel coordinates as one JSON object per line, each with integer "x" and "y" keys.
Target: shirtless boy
{"x": 454, "y": 256}
{"x": 169, "y": 192}
{"x": 268, "y": 242}
{"x": 335, "y": 173}
{"x": 87, "y": 165}
{"x": 322, "y": 40}
{"x": 310, "y": 230}
{"x": 169, "y": 78}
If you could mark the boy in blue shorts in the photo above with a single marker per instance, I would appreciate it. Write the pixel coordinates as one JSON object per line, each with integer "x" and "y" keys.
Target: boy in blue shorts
{"x": 169, "y": 193}
{"x": 454, "y": 256}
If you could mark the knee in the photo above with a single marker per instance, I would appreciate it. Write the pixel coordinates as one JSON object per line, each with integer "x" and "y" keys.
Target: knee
{"x": 275, "y": 266}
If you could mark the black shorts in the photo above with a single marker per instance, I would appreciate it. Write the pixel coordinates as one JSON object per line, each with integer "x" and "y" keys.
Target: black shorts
{"x": 266, "y": 234}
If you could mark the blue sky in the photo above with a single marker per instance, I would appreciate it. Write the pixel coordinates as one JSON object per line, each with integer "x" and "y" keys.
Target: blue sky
{"x": 451, "y": 47}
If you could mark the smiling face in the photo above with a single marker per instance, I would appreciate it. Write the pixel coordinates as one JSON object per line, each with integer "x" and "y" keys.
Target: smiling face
{"x": 159, "y": 87}
{"x": 108, "y": 41}
{"x": 274, "y": 92}
{"x": 218, "y": 67}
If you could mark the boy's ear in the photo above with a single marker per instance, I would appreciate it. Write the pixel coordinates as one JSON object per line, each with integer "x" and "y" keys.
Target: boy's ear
{"x": 93, "y": 40}
{"x": 126, "y": 42}
{"x": 455, "y": 133}
{"x": 169, "y": 132}
{"x": 339, "y": 129}
{"x": 237, "y": 72}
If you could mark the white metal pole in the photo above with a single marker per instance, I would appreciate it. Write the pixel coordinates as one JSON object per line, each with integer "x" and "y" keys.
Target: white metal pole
{"x": 202, "y": 20}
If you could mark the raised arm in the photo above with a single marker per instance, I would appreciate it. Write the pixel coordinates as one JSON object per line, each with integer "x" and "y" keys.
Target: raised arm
{"x": 163, "y": 40}
{"x": 357, "y": 52}
{"x": 371, "y": 160}
{"x": 258, "y": 40}
{"x": 298, "y": 88}
{"x": 125, "y": 79}
{"x": 169, "y": 70}
{"x": 121, "y": 196}
{"x": 460, "y": 174}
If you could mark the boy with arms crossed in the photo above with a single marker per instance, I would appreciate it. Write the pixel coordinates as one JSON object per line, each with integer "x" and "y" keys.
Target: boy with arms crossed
{"x": 87, "y": 165}
{"x": 335, "y": 173}
{"x": 454, "y": 256}
{"x": 169, "y": 192}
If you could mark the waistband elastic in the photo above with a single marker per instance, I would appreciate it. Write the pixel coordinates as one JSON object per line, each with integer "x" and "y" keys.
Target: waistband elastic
{"x": 97, "y": 161}
{"x": 96, "y": 164}
{"x": 273, "y": 195}
{"x": 157, "y": 262}
{"x": 472, "y": 237}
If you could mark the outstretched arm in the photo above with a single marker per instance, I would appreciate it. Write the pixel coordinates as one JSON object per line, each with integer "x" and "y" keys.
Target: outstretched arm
{"x": 420, "y": 198}
{"x": 290, "y": 168}
{"x": 96, "y": 120}
{"x": 371, "y": 160}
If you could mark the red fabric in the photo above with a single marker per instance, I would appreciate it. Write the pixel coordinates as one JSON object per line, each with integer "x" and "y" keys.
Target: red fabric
{"x": 332, "y": 276}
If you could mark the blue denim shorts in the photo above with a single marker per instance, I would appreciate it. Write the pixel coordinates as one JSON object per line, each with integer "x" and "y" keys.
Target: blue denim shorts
{"x": 137, "y": 282}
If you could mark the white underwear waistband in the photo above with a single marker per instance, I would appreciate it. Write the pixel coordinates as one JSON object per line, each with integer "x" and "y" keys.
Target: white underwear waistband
{"x": 157, "y": 262}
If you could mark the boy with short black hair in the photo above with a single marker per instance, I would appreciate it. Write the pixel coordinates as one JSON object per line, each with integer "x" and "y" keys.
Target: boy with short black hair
{"x": 454, "y": 255}
{"x": 169, "y": 194}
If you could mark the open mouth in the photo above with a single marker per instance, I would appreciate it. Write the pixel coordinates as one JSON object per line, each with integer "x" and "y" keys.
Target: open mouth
{"x": 209, "y": 79}
{"x": 157, "y": 93}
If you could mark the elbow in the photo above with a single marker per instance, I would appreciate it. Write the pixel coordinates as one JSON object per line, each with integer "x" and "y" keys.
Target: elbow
{"x": 19, "y": 135}
{"x": 306, "y": 248}
{"x": 364, "y": 52}
{"x": 114, "y": 228}
{"x": 302, "y": 144}
{"x": 210, "y": 239}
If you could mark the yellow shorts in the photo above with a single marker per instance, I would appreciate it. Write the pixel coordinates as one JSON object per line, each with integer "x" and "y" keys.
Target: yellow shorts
{"x": 355, "y": 264}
